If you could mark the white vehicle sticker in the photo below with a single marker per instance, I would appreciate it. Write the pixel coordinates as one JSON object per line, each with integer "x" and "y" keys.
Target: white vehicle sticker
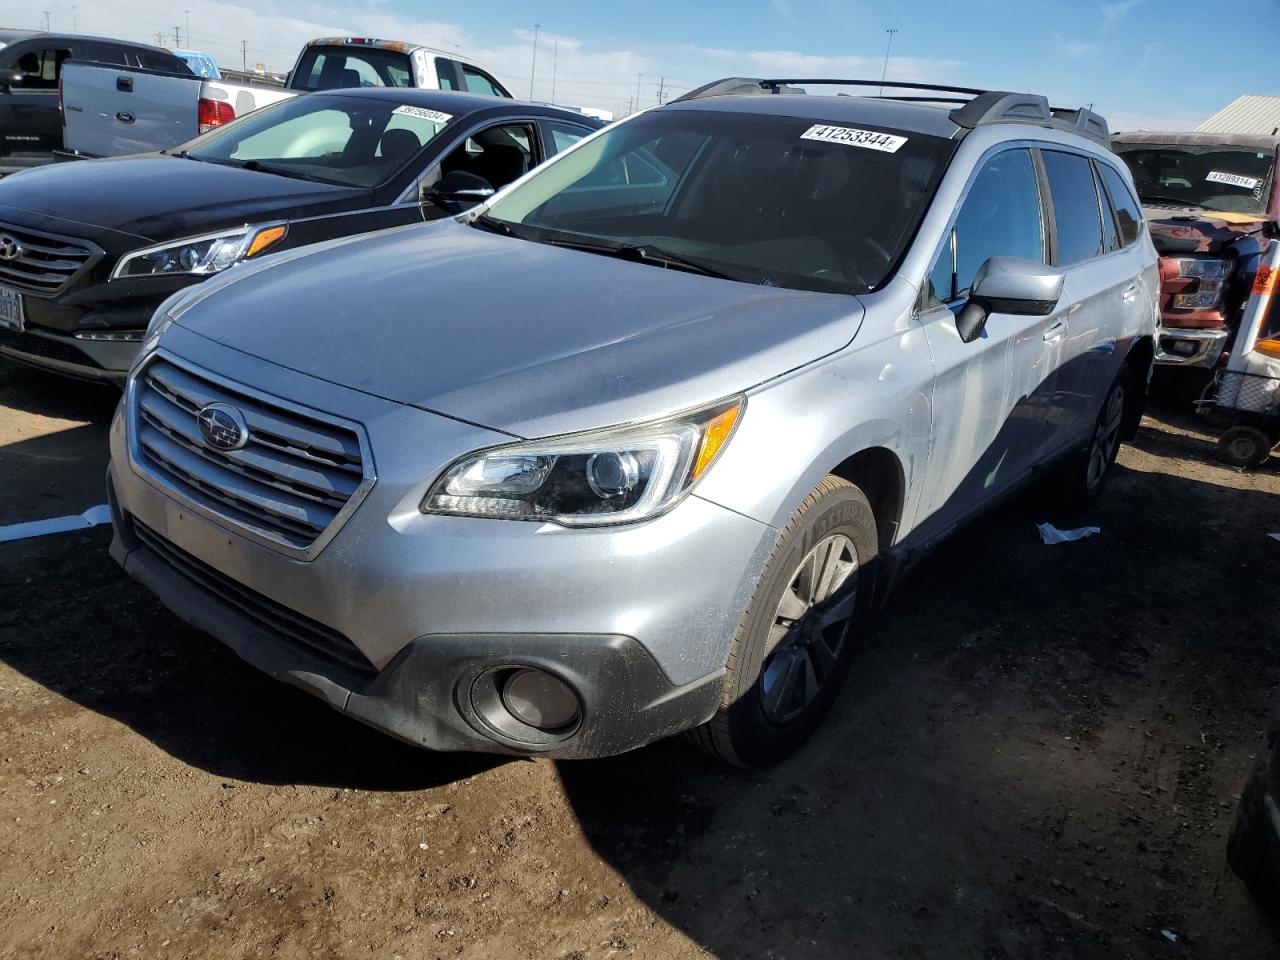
{"x": 1233, "y": 180}
{"x": 853, "y": 137}
{"x": 422, "y": 113}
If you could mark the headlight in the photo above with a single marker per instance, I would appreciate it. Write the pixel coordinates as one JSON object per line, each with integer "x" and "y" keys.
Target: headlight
{"x": 202, "y": 255}
{"x": 1209, "y": 276}
{"x": 617, "y": 475}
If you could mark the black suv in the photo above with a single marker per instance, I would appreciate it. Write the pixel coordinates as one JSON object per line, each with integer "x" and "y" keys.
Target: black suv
{"x": 30, "y": 65}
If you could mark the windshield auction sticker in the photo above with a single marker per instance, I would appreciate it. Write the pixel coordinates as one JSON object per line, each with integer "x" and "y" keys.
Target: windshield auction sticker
{"x": 1233, "y": 180}
{"x": 422, "y": 113}
{"x": 853, "y": 137}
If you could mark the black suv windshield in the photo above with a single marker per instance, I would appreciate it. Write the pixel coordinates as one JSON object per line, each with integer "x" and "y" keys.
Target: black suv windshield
{"x": 1232, "y": 179}
{"x": 348, "y": 140}
{"x": 763, "y": 199}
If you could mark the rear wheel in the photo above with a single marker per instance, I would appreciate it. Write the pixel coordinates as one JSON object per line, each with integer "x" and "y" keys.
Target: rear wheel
{"x": 1244, "y": 446}
{"x": 796, "y": 641}
{"x": 1250, "y": 843}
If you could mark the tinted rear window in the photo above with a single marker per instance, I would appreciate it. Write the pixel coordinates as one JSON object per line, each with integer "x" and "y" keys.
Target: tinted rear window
{"x": 341, "y": 68}
{"x": 1075, "y": 206}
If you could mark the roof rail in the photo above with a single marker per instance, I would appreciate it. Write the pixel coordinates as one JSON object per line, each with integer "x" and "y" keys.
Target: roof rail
{"x": 977, "y": 107}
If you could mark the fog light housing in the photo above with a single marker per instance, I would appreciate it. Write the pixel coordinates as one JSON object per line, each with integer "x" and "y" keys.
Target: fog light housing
{"x": 540, "y": 699}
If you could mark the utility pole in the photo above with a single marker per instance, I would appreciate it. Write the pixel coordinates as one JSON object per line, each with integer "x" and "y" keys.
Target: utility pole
{"x": 889, "y": 46}
{"x": 662, "y": 83}
{"x": 639, "y": 77}
{"x": 46, "y": 21}
{"x": 534, "y": 65}
{"x": 555, "y": 60}
{"x": 244, "y": 56}
{"x": 159, "y": 39}
{"x": 177, "y": 38}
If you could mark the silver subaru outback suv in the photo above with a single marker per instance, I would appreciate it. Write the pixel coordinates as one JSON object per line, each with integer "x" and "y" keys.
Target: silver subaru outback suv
{"x": 639, "y": 445}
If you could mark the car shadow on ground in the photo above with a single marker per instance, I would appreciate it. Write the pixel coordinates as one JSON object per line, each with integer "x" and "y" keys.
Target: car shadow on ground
{"x": 53, "y": 395}
{"x": 76, "y": 624}
{"x": 1036, "y": 756}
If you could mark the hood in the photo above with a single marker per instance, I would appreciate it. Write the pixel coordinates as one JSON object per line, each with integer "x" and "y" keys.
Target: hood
{"x": 158, "y": 197}
{"x": 1192, "y": 230}
{"x": 516, "y": 336}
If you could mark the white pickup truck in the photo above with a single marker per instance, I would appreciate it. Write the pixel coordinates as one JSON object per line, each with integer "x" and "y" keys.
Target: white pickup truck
{"x": 111, "y": 111}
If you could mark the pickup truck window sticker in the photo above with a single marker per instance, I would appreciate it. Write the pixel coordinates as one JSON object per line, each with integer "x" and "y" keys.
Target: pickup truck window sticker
{"x": 853, "y": 137}
{"x": 422, "y": 113}
{"x": 1233, "y": 180}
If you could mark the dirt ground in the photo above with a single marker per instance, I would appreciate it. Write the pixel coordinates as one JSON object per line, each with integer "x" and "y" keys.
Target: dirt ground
{"x": 1037, "y": 757}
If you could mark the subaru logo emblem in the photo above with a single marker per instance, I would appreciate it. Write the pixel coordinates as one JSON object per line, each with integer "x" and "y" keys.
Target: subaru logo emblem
{"x": 10, "y": 248}
{"x": 223, "y": 427}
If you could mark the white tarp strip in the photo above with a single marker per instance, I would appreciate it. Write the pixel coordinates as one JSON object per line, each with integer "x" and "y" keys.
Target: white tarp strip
{"x": 39, "y": 528}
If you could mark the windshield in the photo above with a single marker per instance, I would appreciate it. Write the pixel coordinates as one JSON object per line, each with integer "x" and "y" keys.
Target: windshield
{"x": 336, "y": 68}
{"x": 775, "y": 200}
{"x": 1233, "y": 179}
{"x": 347, "y": 140}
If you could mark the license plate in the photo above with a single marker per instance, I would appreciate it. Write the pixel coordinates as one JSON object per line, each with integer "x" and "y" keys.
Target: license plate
{"x": 11, "y": 317}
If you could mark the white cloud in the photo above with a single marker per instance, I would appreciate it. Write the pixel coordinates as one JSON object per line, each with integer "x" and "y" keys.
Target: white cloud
{"x": 1069, "y": 49}
{"x": 584, "y": 74}
{"x": 1111, "y": 12}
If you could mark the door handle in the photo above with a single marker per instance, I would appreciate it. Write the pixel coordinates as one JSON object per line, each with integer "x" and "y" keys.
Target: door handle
{"x": 124, "y": 84}
{"x": 125, "y": 117}
{"x": 1130, "y": 293}
{"x": 1055, "y": 330}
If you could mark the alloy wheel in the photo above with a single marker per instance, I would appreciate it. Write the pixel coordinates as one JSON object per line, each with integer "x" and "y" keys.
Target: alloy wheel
{"x": 1106, "y": 438}
{"x": 810, "y": 629}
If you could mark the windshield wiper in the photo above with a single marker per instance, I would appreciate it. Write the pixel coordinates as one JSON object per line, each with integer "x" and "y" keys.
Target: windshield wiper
{"x": 1176, "y": 201}
{"x": 644, "y": 253}
{"x": 257, "y": 167}
{"x": 492, "y": 224}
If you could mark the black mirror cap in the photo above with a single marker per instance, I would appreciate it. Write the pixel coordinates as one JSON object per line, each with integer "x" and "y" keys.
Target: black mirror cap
{"x": 971, "y": 321}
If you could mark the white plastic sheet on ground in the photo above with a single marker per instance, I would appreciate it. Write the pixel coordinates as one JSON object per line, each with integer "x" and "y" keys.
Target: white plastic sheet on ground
{"x": 39, "y": 528}
{"x": 1051, "y": 534}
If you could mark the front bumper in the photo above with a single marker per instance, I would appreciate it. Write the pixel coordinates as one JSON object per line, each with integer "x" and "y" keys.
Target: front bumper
{"x": 1190, "y": 347}
{"x": 87, "y": 359}
{"x": 638, "y": 619}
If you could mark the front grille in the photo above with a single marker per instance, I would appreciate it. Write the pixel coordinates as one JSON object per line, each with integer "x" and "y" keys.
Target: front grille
{"x": 315, "y": 638}
{"x": 47, "y": 264}
{"x": 35, "y": 346}
{"x": 289, "y": 482}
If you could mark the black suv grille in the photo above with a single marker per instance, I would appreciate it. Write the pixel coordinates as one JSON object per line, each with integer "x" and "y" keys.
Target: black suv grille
{"x": 315, "y": 638}
{"x": 44, "y": 263}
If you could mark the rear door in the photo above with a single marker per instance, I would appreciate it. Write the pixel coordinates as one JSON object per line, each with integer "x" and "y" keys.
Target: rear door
{"x": 988, "y": 397}
{"x": 1100, "y": 287}
{"x": 30, "y": 122}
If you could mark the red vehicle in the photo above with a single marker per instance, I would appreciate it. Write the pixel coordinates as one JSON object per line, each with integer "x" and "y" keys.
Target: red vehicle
{"x": 1212, "y": 202}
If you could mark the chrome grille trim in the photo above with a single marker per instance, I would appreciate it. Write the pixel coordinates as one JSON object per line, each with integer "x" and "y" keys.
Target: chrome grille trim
{"x": 49, "y": 263}
{"x": 291, "y": 487}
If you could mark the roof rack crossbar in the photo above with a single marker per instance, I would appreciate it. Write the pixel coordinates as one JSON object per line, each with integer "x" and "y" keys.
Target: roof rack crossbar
{"x": 977, "y": 107}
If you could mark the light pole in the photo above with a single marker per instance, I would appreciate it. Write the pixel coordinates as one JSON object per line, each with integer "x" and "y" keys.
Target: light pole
{"x": 555, "y": 61}
{"x": 188, "y": 13}
{"x": 889, "y": 46}
{"x": 534, "y": 64}
{"x": 639, "y": 77}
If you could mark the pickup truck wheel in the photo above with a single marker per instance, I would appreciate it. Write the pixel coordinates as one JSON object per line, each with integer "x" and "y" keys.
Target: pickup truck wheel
{"x": 797, "y": 638}
{"x": 1249, "y": 845}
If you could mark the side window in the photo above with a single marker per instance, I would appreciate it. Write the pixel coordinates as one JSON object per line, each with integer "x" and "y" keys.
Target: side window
{"x": 1000, "y": 218}
{"x": 1110, "y": 236}
{"x": 1075, "y": 206}
{"x": 445, "y": 74}
{"x": 499, "y": 154}
{"x": 313, "y": 134}
{"x": 480, "y": 82}
{"x": 1128, "y": 213}
{"x": 102, "y": 53}
{"x": 565, "y": 135}
{"x": 40, "y": 67}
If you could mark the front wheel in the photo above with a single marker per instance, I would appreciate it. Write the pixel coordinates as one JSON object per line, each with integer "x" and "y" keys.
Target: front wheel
{"x": 796, "y": 641}
{"x": 1082, "y": 478}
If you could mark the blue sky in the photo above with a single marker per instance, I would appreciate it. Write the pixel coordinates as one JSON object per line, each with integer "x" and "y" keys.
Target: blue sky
{"x": 1143, "y": 63}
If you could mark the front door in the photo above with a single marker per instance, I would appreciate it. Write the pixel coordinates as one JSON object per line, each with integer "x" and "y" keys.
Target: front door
{"x": 990, "y": 396}
{"x": 30, "y": 122}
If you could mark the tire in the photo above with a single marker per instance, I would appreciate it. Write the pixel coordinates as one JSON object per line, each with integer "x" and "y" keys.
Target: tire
{"x": 790, "y": 656}
{"x": 1244, "y": 447}
{"x": 1250, "y": 843}
{"x": 1081, "y": 480}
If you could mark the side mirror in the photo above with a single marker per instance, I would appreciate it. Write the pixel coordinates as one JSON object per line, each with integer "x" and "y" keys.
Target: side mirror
{"x": 10, "y": 78}
{"x": 1009, "y": 285}
{"x": 458, "y": 190}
